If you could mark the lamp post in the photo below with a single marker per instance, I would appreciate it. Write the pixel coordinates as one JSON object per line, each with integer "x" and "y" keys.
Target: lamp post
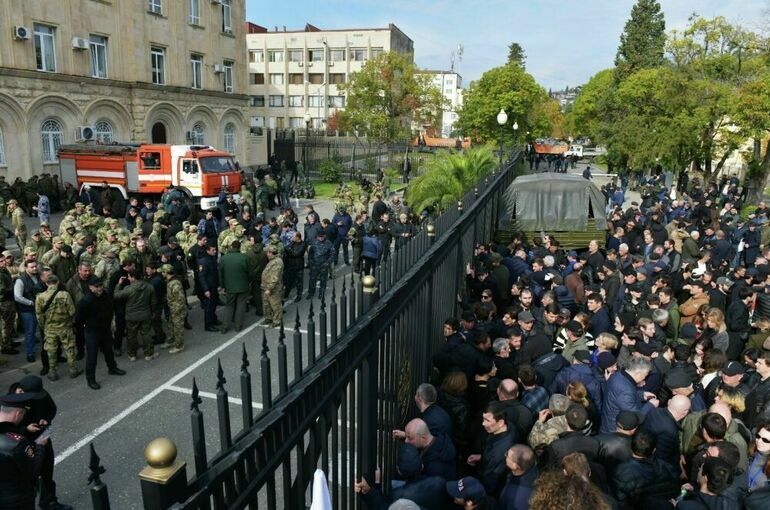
{"x": 502, "y": 118}
{"x": 307, "y": 118}
{"x": 515, "y": 132}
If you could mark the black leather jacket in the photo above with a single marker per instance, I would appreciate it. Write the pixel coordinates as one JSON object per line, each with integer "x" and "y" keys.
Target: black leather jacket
{"x": 20, "y": 464}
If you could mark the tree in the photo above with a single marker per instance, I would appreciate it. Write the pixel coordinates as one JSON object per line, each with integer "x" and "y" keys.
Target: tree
{"x": 386, "y": 96}
{"x": 643, "y": 40}
{"x": 516, "y": 55}
{"x": 512, "y": 89}
{"x": 752, "y": 107}
{"x": 589, "y": 111}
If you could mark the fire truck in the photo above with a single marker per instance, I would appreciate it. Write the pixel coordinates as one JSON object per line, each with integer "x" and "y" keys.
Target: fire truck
{"x": 142, "y": 170}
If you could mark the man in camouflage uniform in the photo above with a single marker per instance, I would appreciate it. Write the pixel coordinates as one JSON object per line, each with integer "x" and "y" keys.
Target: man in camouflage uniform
{"x": 140, "y": 300}
{"x": 55, "y": 312}
{"x": 320, "y": 261}
{"x": 38, "y": 244}
{"x": 257, "y": 258}
{"x": 17, "y": 222}
{"x": 272, "y": 288}
{"x": 7, "y": 308}
{"x": 177, "y": 305}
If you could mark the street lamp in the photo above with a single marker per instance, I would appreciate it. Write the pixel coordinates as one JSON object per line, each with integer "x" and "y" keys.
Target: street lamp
{"x": 515, "y": 132}
{"x": 307, "y": 118}
{"x": 502, "y": 118}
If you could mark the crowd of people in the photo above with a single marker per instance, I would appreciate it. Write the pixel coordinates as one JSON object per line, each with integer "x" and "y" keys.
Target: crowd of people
{"x": 633, "y": 375}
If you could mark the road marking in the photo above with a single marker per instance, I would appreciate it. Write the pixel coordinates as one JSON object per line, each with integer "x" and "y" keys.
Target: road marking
{"x": 213, "y": 396}
{"x": 139, "y": 403}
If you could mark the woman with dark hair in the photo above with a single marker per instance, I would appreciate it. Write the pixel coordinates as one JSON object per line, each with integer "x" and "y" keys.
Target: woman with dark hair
{"x": 452, "y": 398}
{"x": 555, "y": 490}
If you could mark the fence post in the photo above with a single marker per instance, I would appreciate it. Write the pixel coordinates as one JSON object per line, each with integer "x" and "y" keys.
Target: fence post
{"x": 368, "y": 431}
{"x": 100, "y": 499}
{"x": 164, "y": 480}
{"x": 431, "y": 229}
{"x": 370, "y": 292}
{"x": 198, "y": 434}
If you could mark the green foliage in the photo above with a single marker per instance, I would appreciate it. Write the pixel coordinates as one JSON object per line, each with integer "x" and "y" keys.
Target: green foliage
{"x": 516, "y": 55}
{"x": 591, "y": 104}
{"x": 447, "y": 178}
{"x": 643, "y": 40}
{"x": 746, "y": 210}
{"x": 386, "y": 96}
{"x": 514, "y": 90}
{"x": 331, "y": 170}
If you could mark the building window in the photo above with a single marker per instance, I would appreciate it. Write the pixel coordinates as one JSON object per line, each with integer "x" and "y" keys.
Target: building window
{"x": 376, "y": 52}
{"x": 276, "y": 101}
{"x": 336, "y": 78}
{"x": 256, "y": 56}
{"x": 45, "y": 48}
{"x": 227, "y": 18}
{"x": 228, "y": 65}
{"x": 315, "y": 101}
{"x": 197, "y": 134}
{"x": 296, "y": 122}
{"x": 296, "y": 101}
{"x": 296, "y": 55}
{"x": 196, "y": 68}
{"x": 336, "y": 101}
{"x": 103, "y": 131}
{"x": 315, "y": 55}
{"x": 52, "y": 135}
{"x": 257, "y": 78}
{"x": 276, "y": 79}
{"x": 358, "y": 54}
{"x": 275, "y": 55}
{"x": 315, "y": 78}
{"x": 316, "y": 123}
{"x": 156, "y": 6}
{"x": 2, "y": 150}
{"x": 158, "y": 65}
{"x": 337, "y": 55}
{"x": 229, "y": 137}
{"x": 258, "y": 122}
{"x": 98, "y": 56}
{"x": 195, "y": 12}
{"x": 296, "y": 78}
{"x": 258, "y": 101}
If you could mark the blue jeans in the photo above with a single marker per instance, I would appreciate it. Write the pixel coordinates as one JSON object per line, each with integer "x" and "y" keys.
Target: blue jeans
{"x": 29, "y": 323}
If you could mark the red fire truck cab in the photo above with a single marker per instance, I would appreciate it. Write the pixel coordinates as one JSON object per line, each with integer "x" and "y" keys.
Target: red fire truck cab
{"x": 199, "y": 171}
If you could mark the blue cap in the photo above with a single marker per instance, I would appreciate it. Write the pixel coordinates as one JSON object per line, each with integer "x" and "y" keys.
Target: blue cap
{"x": 409, "y": 461}
{"x": 467, "y": 489}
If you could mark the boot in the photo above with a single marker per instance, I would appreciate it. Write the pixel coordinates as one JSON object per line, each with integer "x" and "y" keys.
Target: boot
{"x": 75, "y": 371}
{"x": 53, "y": 375}
{"x": 187, "y": 324}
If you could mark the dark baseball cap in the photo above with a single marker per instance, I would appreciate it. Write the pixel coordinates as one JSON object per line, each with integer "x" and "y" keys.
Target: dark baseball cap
{"x": 18, "y": 400}
{"x": 678, "y": 378}
{"x": 467, "y": 489}
{"x": 605, "y": 360}
{"x": 627, "y": 420}
{"x": 644, "y": 349}
{"x": 583, "y": 356}
{"x": 575, "y": 328}
{"x": 32, "y": 385}
{"x": 95, "y": 281}
{"x": 525, "y": 316}
{"x": 731, "y": 368}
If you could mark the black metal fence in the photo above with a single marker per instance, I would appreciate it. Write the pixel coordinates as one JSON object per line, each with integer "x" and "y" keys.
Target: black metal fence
{"x": 355, "y": 370}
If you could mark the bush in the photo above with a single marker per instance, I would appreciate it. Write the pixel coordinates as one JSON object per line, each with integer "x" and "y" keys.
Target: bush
{"x": 331, "y": 170}
{"x": 748, "y": 209}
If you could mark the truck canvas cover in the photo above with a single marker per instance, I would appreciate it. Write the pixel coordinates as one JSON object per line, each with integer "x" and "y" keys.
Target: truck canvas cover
{"x": 554, "y": 202}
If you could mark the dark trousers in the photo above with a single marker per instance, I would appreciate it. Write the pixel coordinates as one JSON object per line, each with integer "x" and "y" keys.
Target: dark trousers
{"x": 345, "y": 255}
{"x": 210, "y": 309}
{"x": 369, "y": 265}
{"x": 80, "y": 342}
{"x": 98, "y": 341}
{"x": 47, "y": 485}
{"x": 120, "y": 325}
{"x": 294, "y": 280}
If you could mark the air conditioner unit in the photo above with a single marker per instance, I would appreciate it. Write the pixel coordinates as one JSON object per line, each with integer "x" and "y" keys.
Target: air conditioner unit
{"x": 21, "y": 33}
{"x": 85, "y": 133}
{"x": 310, "y": 64}
{"x": 79, "y": 43}
{"x": 219, "y": 68}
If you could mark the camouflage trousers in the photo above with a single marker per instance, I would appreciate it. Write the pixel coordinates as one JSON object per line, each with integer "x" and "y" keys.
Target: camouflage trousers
{"x": 21, "y": 239}
{"x": 135, "y": 330}
{"x": 272, "y": 307}
{"x": 60, "y": 336}
{"x": 7, "y": 321}
{"x": 176, "y": 328}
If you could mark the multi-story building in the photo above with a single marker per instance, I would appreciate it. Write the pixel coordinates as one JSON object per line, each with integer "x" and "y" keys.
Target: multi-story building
{"x": 168, "y": 71}
{"x": 451, "y": 86}
{"x": 294, "y": 73}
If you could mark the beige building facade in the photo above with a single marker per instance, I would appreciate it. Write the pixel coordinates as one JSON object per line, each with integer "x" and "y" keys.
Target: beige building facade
{"x": 164, "y": 71}
{"x": 450, "y": 84}
{"x": 295, "y": 73}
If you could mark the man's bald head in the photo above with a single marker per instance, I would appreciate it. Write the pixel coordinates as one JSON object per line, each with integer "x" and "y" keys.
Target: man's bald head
{"x": 507, "y": 390}
{"x": 679, "y": 406}
{"x": 418, "y": 434}
{"x": 722, "y": 410}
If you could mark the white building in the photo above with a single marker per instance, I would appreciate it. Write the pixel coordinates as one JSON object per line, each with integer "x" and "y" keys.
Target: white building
{"x": 295, "y": 72}
{"x": 450, "y": 84}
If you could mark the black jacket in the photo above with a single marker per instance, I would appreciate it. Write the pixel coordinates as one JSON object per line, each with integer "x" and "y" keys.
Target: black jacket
{"x": 438, "y": 420}
{"x": 440, "y": 458}
{"x": 518, "y": 416}
{"x": 20, "y": 465}
{"x": 636, "y": 479}
{"x": 429, "y": 492}
{"x": 493, "y": 468}
{"x": 662, "y": 425}
{"x": 758, "y": 403}
{"x": 614, "y": 449}
{"x": 458, "y": 410}
{"x": 95, "y": 313}
{"x": 569, "y": 442}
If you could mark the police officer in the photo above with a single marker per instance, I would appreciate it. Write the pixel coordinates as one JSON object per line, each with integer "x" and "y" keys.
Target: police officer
{"x": 272, "y": 288}
{"x": 55, "y": 312}
{"x": 21, "y": 460}
{"x": 94, "y": 315}
{"x": 177, "y": 304}
{"x": 320, "y": 262}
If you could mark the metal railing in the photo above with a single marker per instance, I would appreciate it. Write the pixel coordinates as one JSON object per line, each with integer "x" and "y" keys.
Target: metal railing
{"x": 355, "y": 370}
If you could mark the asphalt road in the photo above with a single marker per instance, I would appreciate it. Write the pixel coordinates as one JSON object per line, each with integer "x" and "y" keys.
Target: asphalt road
{"x": 153, "y": 399}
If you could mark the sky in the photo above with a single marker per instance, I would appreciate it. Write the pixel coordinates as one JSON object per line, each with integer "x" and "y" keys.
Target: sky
{"x": 566, "y": 41}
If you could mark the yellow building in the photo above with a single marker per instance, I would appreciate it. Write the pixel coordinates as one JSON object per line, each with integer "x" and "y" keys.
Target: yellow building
{"x": 165, "y": 71}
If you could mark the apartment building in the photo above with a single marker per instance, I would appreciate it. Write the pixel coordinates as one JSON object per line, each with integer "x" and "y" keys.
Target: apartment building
{"x": 296, "y": 73}
{"x": 450, "y": 84}
{"x": 166, "y": 71}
